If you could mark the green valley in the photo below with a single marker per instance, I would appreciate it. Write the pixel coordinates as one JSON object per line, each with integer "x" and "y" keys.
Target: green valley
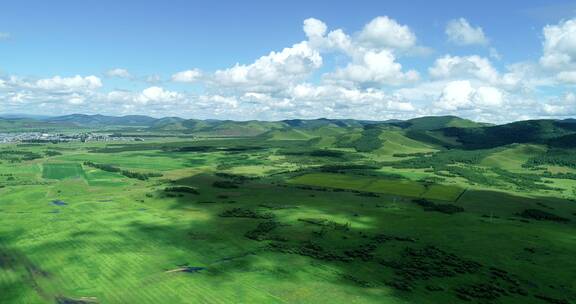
{"x": 430, "y": 210}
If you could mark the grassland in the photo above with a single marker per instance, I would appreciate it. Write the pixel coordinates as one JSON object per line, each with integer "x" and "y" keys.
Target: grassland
{"x": 398, "y": 187}
{"x": 290, "y": 217}
{"x": 62, "y": 170}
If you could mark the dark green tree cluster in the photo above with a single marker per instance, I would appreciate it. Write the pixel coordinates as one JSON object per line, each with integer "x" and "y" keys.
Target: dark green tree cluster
{"x": 50, "y": 153}
{"x": 246, "y": 213}
{"x": 441, "y": 159}
{"x": 225, "y": 184}
{"x": 417, "y": 154}
{"x": 442, "y": 208}
{"x": 560, "y": 175}
{"x": 553, "y": 157}
{"x": 370, "y": 140}
{"x": 18, "y": 155}
{"x": 181, "y": 189}
{"x": 521, "y": 180}
{"x": 129, "y": 174}
{"x": 261, "y": 231}
{"x": 541, "y": 215}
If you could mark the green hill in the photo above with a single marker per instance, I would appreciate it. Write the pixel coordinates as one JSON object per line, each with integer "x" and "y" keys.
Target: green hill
{"x": 102, "y": 120}
{"x": 30, "y": 125}
{"x": 438, "y": 122}
{"x": 531, "y": 131}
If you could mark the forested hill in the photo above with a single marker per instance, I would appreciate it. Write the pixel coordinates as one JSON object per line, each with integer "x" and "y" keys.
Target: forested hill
{"x": 446, "y": 132}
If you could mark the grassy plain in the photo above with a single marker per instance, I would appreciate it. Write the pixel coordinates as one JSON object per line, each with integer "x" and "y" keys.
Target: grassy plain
{"x": 260, "y": 221}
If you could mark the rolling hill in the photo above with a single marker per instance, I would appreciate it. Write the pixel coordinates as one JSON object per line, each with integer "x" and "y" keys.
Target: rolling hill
{"x": 531, "y": 131}
{"x": 429, "y": 123}
{"x": 433, "y": 132}
{"x": 102, "y": 120}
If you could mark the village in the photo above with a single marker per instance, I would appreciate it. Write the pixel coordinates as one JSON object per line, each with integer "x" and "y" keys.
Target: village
{"x": 38, "y": 137}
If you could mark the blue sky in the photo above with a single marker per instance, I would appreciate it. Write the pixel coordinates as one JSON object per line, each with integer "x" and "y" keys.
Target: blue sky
{"x": 59, "y": 57}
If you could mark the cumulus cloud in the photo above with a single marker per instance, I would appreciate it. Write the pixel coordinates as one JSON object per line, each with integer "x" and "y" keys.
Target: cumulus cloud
{"x": 76, "y": 83}
{"x": 373, "y": 52}
{"x": 49, "y": 95}
{"x": 567, "y": 76}
{"x": 273, "y": 71}
{"x": 337, "y": 101}
{"x": 462, "y": 95}
{"x": 456, "y": 94}
{"x": 562, "y": 107}
{"x": 460, "y": 32}
{"x": 366, "y": 78}
{"x": 337, "y": 94}
{"x": 323, "y": 41}
{"x": 17, "y": 97}
{"x": 158, "y": 95}
{"x": 381, "y": 33}
{"x": 516, "y": 77}
{"x": 374, "y": 68}
{"x": 384, "y": 32}
{"x": 118, "y": 72}
{"x": 464, "y": 67}
{"x": 76, "y": 99}
{"x": 559, "y": 45}
{"x": 220, "y": 100}
{"x": 314, "y": 27}
{"x": 187, "y": 76}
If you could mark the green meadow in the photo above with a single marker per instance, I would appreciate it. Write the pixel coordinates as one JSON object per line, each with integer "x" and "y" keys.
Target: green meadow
{"x": 62, "y": 170}
{"x": 305, "y": 216}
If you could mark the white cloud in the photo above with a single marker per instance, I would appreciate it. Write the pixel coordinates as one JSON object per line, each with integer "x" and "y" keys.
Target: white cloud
{"x": 226, "y": 101}
{"x": 371, "y": 53}
{"x": 187, "y": 76}
{"x": 366, "y": 79}
{"x": 517, "y": 77}
{"x": 460, "y": 32}
{"x": 76, "y": 99}
{"x": 456, "y": 94}
{"x": 273, "y": 71}
{"x": 335, "y": 40}
{"x": 372, "y": 60}
{"x": 488, "y": 97}
{"x": 18, "y": 97}
{"x": 464, "y": 67}
{"x": 372, "y": 102}
{"x": 76, "y": 83}
{"x": 567, "y": 76}
{"x": 374, "y": 68}
{"x": 384, "y": 32}
{"x": 157, "y": 94}
{"x": 562, "y": 107}
{"x": 314, "y": 27}
{"x": 4, "y": 36}
{"x": 559, "y": 45}
{"x": 461, "y": 94}
{"x": 118, "y": 72}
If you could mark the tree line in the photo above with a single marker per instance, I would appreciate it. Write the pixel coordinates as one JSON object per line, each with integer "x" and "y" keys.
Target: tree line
{"x": 127, "y": 173}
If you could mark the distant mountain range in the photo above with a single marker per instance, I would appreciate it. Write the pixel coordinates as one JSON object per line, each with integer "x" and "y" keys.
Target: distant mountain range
{"x": 102, "y": 120}
{"x": 176, "y": 123}
{"x": 439, "y": 131}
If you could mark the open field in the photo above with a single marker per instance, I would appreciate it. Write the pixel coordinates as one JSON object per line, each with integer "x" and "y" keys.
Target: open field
{"x": 405, "y": 188}
{"x": 276, "y": 219}
{"x": 62, "y": 170}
